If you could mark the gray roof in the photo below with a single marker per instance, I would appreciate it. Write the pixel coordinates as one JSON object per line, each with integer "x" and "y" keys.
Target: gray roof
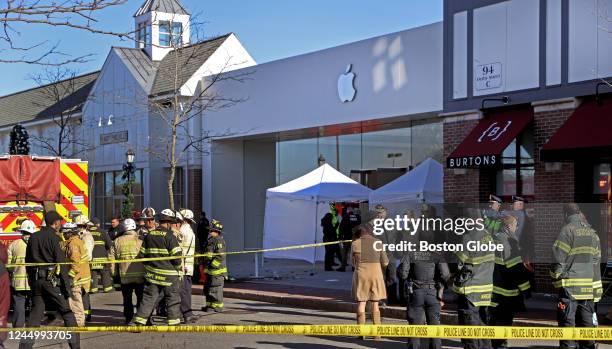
{"x": 38, "y": 103}
{"x": 190, "y": 59}
{"x": 140, "y": 65}
{"x": 166, "y": 6}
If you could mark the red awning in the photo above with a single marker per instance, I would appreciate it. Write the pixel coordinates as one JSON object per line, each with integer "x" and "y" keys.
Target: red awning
{"x": 586, "y": 134}
{"x": 483, "y": 147}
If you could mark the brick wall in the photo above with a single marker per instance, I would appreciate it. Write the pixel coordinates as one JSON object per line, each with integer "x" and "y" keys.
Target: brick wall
{"x": 194, "y": 176}
{"x": 465, "y": 187}
{"x": 552, "y": 189}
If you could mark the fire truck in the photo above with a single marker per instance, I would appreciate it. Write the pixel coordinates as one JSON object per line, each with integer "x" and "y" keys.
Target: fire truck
{"x": 33, "y": 185}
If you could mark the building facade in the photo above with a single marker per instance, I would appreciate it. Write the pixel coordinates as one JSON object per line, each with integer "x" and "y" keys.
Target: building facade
{"x": 520, "y": 112}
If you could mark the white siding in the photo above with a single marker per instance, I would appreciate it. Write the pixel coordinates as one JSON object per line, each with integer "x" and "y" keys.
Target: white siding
{"x": 460, "y": 55}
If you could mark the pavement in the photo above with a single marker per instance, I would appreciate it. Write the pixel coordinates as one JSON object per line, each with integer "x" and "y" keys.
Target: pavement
{"x": 300, "y": 284}
{"x": 108, "y": 311}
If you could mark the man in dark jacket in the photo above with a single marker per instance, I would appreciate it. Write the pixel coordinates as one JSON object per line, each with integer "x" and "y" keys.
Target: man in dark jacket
{"x": 330, "y": 234}
{"x": 5, "y": 292}
{"x": 50, "y": 285}
{"x": 350, "y": 220}
{"x": 115, "y": 230}
{"x": 100, "y": 269}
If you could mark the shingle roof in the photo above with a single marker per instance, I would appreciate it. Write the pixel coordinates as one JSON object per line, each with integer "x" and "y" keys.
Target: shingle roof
{"x": 37, "y": 103}
{"x": 166, "y": 6}
{"x": 140, "y": 64}
{"x": 190, "y": 59}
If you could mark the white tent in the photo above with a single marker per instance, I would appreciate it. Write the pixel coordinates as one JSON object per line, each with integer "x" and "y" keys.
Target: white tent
{"x": 423, "y": 184}
{"x": 294, "y": 211}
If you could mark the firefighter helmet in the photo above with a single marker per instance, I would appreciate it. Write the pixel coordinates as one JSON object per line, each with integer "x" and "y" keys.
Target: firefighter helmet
{"x": 187, "y": 214}
{"x": 69, "y": 227}
{"x": 27, "y": 227}
{"x": 129, "y": 224}
{"x": 148, "y": 213}
{"x": 167, "y": 215}
{"x": 215, "y": 225}
{"x": 81, "y": 220}
{"x": 179, "y": 216}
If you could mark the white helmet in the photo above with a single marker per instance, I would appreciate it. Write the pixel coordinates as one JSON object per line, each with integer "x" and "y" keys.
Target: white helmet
{"x": 129, "y": 224}
{"x": 187, "y": 214}
{"x": 81, "y": 220}
{"x": 69, "y": 226}
{"x": 167, "y": 215}
{"x": 27, "y": 227}
{"x": 179, "y": 217}
{"x": 148, "y": 213}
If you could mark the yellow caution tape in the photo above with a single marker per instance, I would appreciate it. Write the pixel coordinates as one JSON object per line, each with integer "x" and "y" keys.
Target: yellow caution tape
{"x": 206, "y": 255}
{"x": 416, "y": 331}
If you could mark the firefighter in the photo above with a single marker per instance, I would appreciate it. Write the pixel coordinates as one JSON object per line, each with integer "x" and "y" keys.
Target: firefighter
{"x": 19, "y": 276}
{"x": 83, "y": 225}
{"x": 510, "y": 278}
{"x": 127, "y": 247}
{"x": 576, "y": 273}
{"x": 148, "y": 215}
{"x": 50, "y": 284}
{"x": 188, "y": 244}
{"x": 161, "y": 276}
{"x": 474, "y": 285}
{"x": 79, "y": 269}
{"x": 99, "y": 268}
{"x": 426, "y": 276}
{"x": 5, "y": 293}
{"x": 216, "y": 269}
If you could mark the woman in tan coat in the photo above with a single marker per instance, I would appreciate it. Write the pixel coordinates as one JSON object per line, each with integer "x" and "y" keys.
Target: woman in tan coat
{"x": 368, "y": 280}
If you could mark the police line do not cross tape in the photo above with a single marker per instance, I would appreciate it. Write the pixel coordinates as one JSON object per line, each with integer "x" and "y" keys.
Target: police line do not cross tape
{"x": 414, "y": 331}
{"x": 210, "y": 254}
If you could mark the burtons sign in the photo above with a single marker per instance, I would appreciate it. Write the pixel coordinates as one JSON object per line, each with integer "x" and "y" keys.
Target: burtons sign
{"x": 479, "y": 161}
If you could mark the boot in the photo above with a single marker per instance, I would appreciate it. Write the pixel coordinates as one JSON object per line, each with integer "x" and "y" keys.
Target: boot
{"x": 361, "y": 319}
{"x": 376, "y": 321}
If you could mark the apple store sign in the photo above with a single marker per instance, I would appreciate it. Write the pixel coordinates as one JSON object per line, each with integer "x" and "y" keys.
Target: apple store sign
{"x": 346, "y": 86}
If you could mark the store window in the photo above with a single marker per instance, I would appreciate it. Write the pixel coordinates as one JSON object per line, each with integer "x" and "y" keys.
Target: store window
{"x": 107, "y": 195}
{"x": 360, "y": 149}
{"x": 516, "y": 177}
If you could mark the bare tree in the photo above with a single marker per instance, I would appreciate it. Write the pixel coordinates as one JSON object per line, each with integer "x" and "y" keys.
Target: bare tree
{"x": 75, "y": 14}
{"x": 62, "y": 96}
{"x": 176, "y": 107}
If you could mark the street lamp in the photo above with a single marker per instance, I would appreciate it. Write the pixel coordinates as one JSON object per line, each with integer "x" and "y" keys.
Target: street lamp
{"x": 128, "y": 177}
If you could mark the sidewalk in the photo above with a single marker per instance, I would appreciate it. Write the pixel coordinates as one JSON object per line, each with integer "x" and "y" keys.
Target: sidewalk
{"x": 297, "y": 284}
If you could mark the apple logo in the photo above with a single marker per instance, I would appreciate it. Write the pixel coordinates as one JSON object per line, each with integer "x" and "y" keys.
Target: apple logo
{"x": 346, "y": 89}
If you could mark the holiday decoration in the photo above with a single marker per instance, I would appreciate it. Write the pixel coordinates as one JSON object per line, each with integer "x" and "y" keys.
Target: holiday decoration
{"x": 19, "y": 142}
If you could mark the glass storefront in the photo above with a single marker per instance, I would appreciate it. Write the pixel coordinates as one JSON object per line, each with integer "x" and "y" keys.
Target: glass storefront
{"x": 361, "y": 148}
{"x": 518, "y": 168}
{"x": 107, "y": 196}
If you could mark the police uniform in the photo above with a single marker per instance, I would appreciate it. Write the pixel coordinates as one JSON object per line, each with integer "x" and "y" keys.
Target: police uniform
{"x": 100, "y": 269}
{"x": 50, "y": 284}
{"x": 426, "y": 275}
{"x": 577, "y": 275}
{"x": 474, "y": 285}
{"x": 161, "y": 276}
{"x": 510, "y": 282}
{"x": 216, "y": 269}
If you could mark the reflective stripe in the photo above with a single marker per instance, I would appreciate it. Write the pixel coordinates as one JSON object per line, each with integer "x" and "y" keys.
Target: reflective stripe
{"x": 562, "y": 246}
{"x": 524, "y": 286}
{"x": 154, "y": 250}
{"x": 573, "y": 282}
{"x": 98, "y": 243}
{"x": 476, "y": 260}
{"x": 514, "y": 261}
{"x": 215, "y": 305}
{"x": 505, "y": 292}
{"x": 140, "y": 320}
{"x": 107, "y": 289}
{"x": 215, "y": 263}
{"x": 216, "y": 272}
{"x": 473, "y": 289}
{"x": 72, "y": 273}
{"x": 161, "y": 271}
{"x": 584, "y": 250}
{"x": 173, "y": 322}
{"x": 176, "y": 250}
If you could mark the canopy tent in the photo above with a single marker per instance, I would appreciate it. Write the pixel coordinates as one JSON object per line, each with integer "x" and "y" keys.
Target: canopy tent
{"x": 294, "y": 211}
{"x": 423, "y": 184}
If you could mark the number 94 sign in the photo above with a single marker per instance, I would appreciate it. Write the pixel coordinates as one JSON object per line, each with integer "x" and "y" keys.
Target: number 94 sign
{"x": 488, "y": 76}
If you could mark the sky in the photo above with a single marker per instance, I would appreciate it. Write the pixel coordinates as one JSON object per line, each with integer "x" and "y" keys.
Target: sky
{"x": 269, "y": 29}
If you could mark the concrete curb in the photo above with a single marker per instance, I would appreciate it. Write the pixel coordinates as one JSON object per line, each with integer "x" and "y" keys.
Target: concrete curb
{"x": 336, "y": 305}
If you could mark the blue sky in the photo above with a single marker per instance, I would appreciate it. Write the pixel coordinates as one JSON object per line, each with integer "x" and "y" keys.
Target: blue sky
{"x": 269, "y": 29}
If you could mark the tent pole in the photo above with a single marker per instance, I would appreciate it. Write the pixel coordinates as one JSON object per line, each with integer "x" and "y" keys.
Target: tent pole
{"x": 314, "y": 261}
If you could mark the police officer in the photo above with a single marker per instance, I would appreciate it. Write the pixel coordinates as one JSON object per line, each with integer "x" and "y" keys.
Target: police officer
{"x": 493, "y": 213}
{"x": 510, "y": 278}
{"x": 216, "y": 269}
{"x": 99, "y": 269}
{"x": 350, "y": 220}
{"x": 50, "y": 284}
{"x": 474, "y": 284}
{"x": 576, "y": 273}
{"x": 161, "y": 276}
{"x": 19, "y": 276}
{"x": 329, "y": 223}
{"x": 427, "y": 275}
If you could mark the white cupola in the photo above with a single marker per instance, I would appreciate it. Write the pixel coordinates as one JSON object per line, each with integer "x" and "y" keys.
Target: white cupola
{"x": 161, "y": 26}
